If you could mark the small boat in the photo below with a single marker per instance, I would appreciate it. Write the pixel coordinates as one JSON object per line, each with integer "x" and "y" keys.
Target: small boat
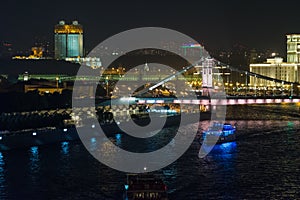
{"x": 146, "y": 187}
{"x": 225, "y": 133}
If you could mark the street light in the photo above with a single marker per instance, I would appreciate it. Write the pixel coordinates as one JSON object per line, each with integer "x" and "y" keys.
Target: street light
{"x": 246, "y": 83}
{"x": 226, "y": 88}
{"x": 243, "y": 88}
{"x": 106, "y": 81}
{"x": 57, "y": 79}
{"x": 255, "y": 85}
{"x": 231, "y": 88}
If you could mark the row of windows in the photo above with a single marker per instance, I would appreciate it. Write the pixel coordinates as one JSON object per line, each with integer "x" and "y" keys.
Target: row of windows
{"x": 70, "y": 45}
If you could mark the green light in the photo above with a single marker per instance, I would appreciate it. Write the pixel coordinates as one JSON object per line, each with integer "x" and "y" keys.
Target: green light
{"x": 290, "y": 124}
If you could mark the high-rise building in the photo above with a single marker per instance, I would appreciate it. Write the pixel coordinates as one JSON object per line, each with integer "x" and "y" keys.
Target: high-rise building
{"x": 293, "y": 48}
{"x": 68, "y": 40}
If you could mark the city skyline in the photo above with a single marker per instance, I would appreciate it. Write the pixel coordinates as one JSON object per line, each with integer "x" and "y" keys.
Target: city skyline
{"x": 216, "y": 25}
{"x": 150, "y": 100}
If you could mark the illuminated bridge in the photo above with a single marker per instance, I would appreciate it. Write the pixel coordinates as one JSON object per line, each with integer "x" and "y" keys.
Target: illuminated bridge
{"x": 241, "y": 87}
{"x": 233, "y": 80}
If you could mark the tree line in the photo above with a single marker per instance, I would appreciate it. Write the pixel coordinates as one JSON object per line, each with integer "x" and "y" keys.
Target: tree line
{"x": 32, "y": 100}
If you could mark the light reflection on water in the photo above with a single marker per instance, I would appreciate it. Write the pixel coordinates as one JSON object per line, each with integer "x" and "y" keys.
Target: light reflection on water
{"x": 65, "y": 148}
{"x": 34, "y": 159}
{"x": 226, "y": 148}
{"x": 262, "y": 164}
{"x": 118, "y": 139}
{"x": 2, "y": 175}
{"x": 93, "y": 144}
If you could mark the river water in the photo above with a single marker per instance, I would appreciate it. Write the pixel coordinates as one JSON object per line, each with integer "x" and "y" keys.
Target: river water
{"x": 264, "y": 163}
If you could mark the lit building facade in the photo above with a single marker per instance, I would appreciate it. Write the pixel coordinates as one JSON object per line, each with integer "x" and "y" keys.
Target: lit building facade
{"x": 293, "y": 48}
{"x": 68, "y": 40}
{"x": 91, "y": 62}
{"x": 274, "y": 68}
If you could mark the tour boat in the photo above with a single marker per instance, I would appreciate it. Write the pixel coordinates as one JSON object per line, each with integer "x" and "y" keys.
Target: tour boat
{"x": 224, "y": 133}
{"x": 144, "y": 186}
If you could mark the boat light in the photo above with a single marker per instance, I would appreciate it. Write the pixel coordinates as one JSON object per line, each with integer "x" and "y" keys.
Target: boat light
{"x": 118, "y": 136}
{"x": 126, "y": 186}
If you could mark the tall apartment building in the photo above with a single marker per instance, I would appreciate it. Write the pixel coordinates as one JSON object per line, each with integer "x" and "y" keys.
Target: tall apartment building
{"x": 293, "y": 48}
{"x": 68, "y": 40}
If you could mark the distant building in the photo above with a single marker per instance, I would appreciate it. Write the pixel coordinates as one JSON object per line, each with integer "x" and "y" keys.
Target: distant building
{"x": 293, "y": 48}
{"x": 45, "y": 45}
{"x": 43, "y": 89}
{"x": 277, "y": 69}
{"x": 253, "y": 58}
{"x": 68, "y": 40}
{"x": 261, "y": 56}
{"x": 193, "y": 50}
{"x": 91, "y": 62}
{"x": 37, "y": 53}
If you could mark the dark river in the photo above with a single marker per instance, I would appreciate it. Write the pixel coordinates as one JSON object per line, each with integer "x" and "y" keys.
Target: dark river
{"x": 264, "y": 163}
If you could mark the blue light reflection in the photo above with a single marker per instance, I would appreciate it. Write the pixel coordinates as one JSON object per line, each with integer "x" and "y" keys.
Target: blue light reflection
{"x": 226, "y": 148}
{"x": 2, "y": 163}
{"x": 118, "y": 139}
{"x": 65, "y": 148}
{"x": 34, "y": 159}
{"x": 93, "y": 144}
{"x": 2, "y": 174}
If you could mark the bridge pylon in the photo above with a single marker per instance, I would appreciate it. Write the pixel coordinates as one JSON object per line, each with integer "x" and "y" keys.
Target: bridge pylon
{"x": 207, "y": 76}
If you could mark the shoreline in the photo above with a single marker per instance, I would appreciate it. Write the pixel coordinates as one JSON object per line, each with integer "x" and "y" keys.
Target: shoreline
{"x": 48, "y": 135}
{"x": 51, "y": 135}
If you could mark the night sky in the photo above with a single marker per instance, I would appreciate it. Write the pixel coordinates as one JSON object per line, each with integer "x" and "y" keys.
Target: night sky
{"x": 260, "y": 24}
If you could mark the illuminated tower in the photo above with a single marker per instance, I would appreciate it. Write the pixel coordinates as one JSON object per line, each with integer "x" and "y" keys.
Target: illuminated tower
{"x": 68, "y": 40}
{"x": 293, "y": 48}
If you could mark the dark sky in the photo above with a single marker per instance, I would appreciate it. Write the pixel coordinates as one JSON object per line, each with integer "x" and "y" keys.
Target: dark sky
{"x": 260, "y": 24}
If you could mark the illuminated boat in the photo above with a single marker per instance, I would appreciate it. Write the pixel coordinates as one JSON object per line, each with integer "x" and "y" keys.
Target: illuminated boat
{"x": 144, "y": 186}
{"x": 220, "y": 132}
